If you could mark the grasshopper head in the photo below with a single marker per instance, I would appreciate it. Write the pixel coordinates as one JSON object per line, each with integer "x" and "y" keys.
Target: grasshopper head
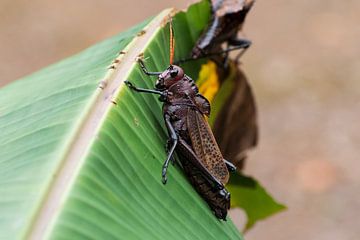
{"x": 170, "y": 76}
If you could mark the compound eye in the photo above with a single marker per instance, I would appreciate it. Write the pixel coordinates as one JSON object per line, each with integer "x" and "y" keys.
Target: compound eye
{"x": 174, "y": 73}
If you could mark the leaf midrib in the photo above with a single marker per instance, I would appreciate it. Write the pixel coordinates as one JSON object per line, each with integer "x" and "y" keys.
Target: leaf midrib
{"x": 86, "y": 129}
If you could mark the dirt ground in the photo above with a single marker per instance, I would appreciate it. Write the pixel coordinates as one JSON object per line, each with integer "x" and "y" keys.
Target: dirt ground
{"x": 304, "y": 66}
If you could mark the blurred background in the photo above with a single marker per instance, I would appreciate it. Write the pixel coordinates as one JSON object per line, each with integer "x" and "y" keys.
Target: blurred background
{"x": 304, "y": 66}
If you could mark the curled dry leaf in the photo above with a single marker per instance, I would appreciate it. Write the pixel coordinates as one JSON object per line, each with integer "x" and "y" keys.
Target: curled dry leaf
{"x": 235, "y": 127}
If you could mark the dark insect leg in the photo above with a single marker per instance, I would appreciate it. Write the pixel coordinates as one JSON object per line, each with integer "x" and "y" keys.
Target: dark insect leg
{"x": 235, "y": 44}
{"x": 231, "y": 167}
{"x": 242, "y": 43}
{"x": 191, "y": 156}
{"x": 131, "y": 86}
{"x": 143, "y": 67}
{"x": 226, "y": 57}
{"x": 174, "y": 140}
{"x": 167, "y": 149}
{"x": 224, "y": 193}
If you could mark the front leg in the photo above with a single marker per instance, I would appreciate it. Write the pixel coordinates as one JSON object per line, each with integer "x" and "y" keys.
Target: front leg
{"x": 144, "y": 69}
{"x": 132, "y": 87}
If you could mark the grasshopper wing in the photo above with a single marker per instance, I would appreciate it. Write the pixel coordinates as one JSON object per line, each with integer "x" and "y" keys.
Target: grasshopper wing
{"x": 205, "y": 146}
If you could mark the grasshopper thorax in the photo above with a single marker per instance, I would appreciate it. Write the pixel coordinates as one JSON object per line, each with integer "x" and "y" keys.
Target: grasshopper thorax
{"x": 170, "y": 76}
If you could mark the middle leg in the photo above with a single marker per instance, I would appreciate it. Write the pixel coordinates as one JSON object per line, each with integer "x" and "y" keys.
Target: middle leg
{"x": 174, "y": 139}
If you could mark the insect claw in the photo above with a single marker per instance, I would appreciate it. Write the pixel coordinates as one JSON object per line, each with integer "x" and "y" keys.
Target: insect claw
{"x": 129, "y": 84}
{"x": 164, "y": 178}
{"x": 141, "y": 58}
{"x": 231, "y": 167}
{"x": 225, "y": 194}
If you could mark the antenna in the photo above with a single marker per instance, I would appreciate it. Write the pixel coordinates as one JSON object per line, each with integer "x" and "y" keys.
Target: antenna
{"x": 172, "y": 42}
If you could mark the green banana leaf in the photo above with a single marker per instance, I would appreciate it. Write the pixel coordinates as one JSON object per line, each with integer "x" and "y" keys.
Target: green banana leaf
{"x": 252, "y": 198}
{"x": 81, "y": 155}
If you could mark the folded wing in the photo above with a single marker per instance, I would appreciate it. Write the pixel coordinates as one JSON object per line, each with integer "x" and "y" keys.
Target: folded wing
{"x": 205, "y": 146}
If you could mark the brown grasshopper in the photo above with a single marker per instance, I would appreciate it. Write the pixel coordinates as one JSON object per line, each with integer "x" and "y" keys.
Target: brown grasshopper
{"x": 184, "y": 111}
{"x": 227, "y": 18}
